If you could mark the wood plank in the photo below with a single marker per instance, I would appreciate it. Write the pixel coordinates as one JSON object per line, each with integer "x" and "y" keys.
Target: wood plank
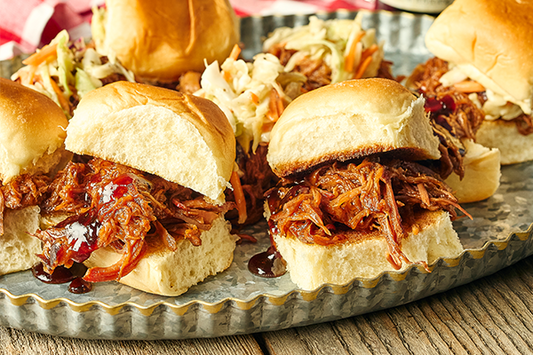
{"x": 489, "y": 294}
{"x": 15, "y": 341}
{"x": 442, "y": 339}
{"x": 382, "y": 325}
{"x": 451, "y": 332}
{"x": 314, "y": 339}
{"x": 413, "y": 336}
{"x": 355, "y": 341}
{"x": 283, "y": 342}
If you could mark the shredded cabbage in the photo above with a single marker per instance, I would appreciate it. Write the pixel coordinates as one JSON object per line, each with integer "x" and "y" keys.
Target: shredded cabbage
{"x": 330, "y": 41}
{"x": 75, "y": 66}
{"x": 64, "y": 61}
{"x": 233, "y": 87}
{"x": 84, "y": 82}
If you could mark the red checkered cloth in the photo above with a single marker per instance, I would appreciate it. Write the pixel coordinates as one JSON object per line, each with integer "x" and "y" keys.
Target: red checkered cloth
{"x": 26, "y": 25}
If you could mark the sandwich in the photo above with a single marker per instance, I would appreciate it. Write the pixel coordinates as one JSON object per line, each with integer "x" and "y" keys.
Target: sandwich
{"x": 254, "y": 94}
{"x": 356, "y": 196}
{"x": 144, "y": 198}
{"x": 161, "y": 40}
{"x": 65, "y": 70}
{"x": 482, "y": 48}
{"x": 32, "y": 131}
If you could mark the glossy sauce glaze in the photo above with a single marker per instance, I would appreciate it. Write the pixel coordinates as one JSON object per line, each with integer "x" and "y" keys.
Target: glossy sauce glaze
{"x": 63, "y": 275}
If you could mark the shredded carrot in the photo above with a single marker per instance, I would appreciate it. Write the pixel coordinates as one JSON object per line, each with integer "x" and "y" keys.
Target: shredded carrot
{"x": 62, "y": 100}
{"x": 239, "y": 196}
{"x": 227, "y": 76}
{"x": 255, "y": 98}
{"x": 276, "y": 106}
{"x": 267, "y": 127}
{"x": 273, "y": 113}
{"x": 369, "y": 51}
{"x": 468, "y": 86}
{"x": 38, "y": 57}
{"x": 349, "y": 60}
{"x": 361, "y": 70}
{"x": 279, "y": 104}
{"x": 235, "y": 52}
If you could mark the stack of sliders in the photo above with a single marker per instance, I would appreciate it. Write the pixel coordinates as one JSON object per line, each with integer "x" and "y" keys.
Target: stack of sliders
{"x": 162, "y": 40}
{"x": 482, "y": 49}
{"x": 32, "y": 131}
{"x": 144, "y": 197}
{"x": 353, "y": 201}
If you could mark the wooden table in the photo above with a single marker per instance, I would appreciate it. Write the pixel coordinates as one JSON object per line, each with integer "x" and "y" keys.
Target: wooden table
{"x": 490, "y": 315}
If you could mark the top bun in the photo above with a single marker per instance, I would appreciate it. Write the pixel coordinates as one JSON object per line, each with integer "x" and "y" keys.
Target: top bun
{"x": 182, "y": 138}
{"x": 490, "y": 41}
{"x": 32, "y": 131}
{"x": 349, "y": 120}
{"x": 160, "y": 40}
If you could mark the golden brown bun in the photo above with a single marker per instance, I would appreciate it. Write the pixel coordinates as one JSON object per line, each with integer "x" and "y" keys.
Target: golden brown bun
{"x": 32, "y": 131}
{"x": 514, "y": 147}
{"x": 482, "y": 173}
{"x": 182, "y": 138}
{"x": 311, "y": 265}
{"x": 490, "y": 42}
{"x": 18, "y": 248}
{"x": 160, "y": 40}
{"x": 172, "y": 273}
{"x": 348, "y": 120}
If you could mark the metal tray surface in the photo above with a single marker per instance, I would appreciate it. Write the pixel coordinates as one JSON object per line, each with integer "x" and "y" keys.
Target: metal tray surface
{"x": 237, "y": 302}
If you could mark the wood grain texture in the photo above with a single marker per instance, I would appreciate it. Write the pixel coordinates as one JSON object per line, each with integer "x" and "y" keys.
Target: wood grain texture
{"x": 20, "y": 342}
{"x": 493, "y": 315}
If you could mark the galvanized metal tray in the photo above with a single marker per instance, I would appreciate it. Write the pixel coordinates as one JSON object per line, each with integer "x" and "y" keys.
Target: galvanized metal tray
{"x": 237, "y": 302}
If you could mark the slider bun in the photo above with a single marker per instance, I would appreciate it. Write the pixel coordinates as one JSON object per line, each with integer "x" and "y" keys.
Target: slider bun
{"x": 161, "y": 39}
{"x": 18, "y": 248}
{"x": 32, "y": 131}
{"x": 490, "y": 41}
{"x": 514, "y": 147}
{"x": 348, "y": 120}
{"x": 171, "y": 273}
{"x": 182, "y": 138}
{"x": 311, "y": 265}
{"x": 482, "y": 173}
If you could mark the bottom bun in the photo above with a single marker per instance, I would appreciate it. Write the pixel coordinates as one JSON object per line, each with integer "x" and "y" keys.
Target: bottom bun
{"x": 514, "y": 147}
{"x": 311, "y": 265}
{"x": 18, "y": 248}
{"x": 482, "y": 173}
{"x": 171, "y": 273}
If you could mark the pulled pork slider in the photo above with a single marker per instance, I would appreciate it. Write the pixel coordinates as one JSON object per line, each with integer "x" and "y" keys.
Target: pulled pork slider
{"x": 470, "y": 169}
{"x": 32, "y": 131}
{"x": 161, "y": 40}
{"x": 147, "y": 206}
{"x": 352, "y": 202}
{"x": 485, "y": 46}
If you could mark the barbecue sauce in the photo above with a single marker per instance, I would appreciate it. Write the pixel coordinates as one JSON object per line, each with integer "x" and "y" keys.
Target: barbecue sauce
{"x": 267, "y": 264}
{"x": 63, "y": 275}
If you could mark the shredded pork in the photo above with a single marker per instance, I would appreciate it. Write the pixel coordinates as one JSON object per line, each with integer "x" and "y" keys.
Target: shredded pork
{"x": 338, "y": 198}
{"x": 257, "y": 178}
{"x": 454, "y": 116}
{"x": 22, "y": 191}
{"x": 121, "y": 207}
